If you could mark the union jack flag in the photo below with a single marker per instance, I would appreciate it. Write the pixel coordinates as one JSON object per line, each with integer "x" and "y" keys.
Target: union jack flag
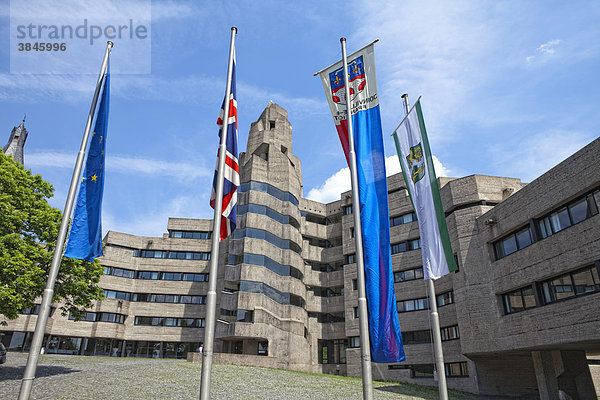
{"x": 231, "y": 177}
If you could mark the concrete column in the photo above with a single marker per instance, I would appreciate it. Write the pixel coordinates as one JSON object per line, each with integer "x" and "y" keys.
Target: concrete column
{"x": 576, "y": 380}
{"x": 545, "y": 375}
{"x": 123, "y": 348}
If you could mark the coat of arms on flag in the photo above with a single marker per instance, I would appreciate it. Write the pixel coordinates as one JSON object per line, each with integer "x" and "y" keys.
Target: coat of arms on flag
{"x": 416, "y": 163}
{"x": 356, "y": 79}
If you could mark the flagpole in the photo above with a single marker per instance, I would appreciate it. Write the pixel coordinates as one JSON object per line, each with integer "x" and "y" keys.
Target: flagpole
{"x": 40, "y": 326}
{"x": 365, "y": 349}
{"x": 435, "y": 320}
{"x": 211, "y": 298}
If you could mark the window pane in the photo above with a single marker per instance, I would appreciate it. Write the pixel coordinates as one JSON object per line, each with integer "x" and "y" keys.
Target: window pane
{"x": 578, "y": 211}
{"x": 509, "y": 245}
{"x": 584, "y": 282}
{"x": 524, "y": 238}
{"x": 513, "y": 301}
{"x": 562, "y": 287}
{"x": 560, "y": 220}
{"x": 528, "y": 297}
{"x": 545, "y": 229}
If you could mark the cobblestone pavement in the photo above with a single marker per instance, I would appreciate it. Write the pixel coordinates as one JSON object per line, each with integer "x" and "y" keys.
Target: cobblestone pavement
{"x": 79, "y": 377}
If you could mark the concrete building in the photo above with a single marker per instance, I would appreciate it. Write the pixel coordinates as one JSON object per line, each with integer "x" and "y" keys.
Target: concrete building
{"x": 517, "y": 319}
{"x": 16, "y": 142}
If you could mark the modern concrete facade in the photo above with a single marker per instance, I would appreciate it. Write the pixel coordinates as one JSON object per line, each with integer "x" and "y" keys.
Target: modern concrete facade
{"x": 517, "y": 319}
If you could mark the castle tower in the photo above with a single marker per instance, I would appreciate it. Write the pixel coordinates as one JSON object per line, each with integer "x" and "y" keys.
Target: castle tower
{"x": 16, "y": 142}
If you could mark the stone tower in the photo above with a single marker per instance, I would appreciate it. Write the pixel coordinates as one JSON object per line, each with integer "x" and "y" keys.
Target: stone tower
{"x": 16, "y": 142}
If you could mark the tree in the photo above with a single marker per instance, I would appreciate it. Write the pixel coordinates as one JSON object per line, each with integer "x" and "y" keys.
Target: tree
{"x": 28, "y": 231}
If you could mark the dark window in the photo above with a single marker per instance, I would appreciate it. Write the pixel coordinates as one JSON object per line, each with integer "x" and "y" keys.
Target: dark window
{"x": 518, "y": 300}
{"x": 408, "y": 275}
{"x": 413, "y": 305}
{"x": 245, "y": 316}
{"x": 190, "y": 234}
{"x": 263, "y": 348}
{"x": 406, "y": 246}
{"x": 115, "y": 294}
{"x": 353, "y": 342}
{"x": 347, "y": 210}
{"x": 416, "y": 337}
{"x": 153, "y": 254}
{"x": 148, "y": 275}
{"x": 355, "y": 312}
{"x": 456, "y": 369}
{"x": 445, "y": 299}
{"x": 450, "y": 333}
{"x": 576, "y": 283}
{"x": 349, "y": 258}
{"x": 513, "y": 242}
{"x": 403, "y": 219}
{"x": 271, "y": 124}
{"x": 354, "y": 284}
{"x": 167, "y": 321}
{"x": 332, "y": 351}
{"x": 570, "y": 214}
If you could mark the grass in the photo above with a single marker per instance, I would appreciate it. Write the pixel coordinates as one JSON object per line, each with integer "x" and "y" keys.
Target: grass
{"x": 78, "y": 377}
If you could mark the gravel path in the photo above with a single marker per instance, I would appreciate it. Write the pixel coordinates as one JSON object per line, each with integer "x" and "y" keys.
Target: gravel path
{"x": 79, "y": 377}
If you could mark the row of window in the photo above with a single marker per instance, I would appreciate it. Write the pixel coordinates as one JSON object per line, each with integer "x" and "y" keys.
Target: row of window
{"x": 190, "y": 234}
{"x": 323, "y": 243}
{"x": 155, "y": 275}
{"x": 423, "y": 303}
{"x": 403, "y": 219}
{"x": 272, "y": 293}
{"x": 570, "y": 214}
{"x": 328, "y": 318}
{"x": 408, "y": 275}
{"x": 166, "y": 321}
{"x": 402, "y": 247}
{"x": 326, "y": 291}
{"x": 178, "y": 255}
{"x": 452, "y": 369}
{"x": 255, "y": 233}
{"x": 325, "y": 267}
{"x": 269, "y": 189}
{"x": 318, "y": 219}
{"x": 269, "y": 212}
{"x": 154, "y": 298}
{"x": 264, "y": 261}
{"x": 101, "y": 317}
{"x": 569, "y": 285}
{"x": 424, "y": 336}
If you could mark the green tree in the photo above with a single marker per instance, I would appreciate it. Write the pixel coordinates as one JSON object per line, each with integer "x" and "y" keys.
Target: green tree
{"x": 28, "y": 231}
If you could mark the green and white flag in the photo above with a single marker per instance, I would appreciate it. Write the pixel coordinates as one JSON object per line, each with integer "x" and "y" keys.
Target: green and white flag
{"x": 417, "y": 167}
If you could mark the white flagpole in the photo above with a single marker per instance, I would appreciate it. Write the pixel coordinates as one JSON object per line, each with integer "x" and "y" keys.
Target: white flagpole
{"x": 211, "y": 298}
{"x": 435, "y": 321}
{"x": 40, "y": 326}
{"x": 365, "y": 349}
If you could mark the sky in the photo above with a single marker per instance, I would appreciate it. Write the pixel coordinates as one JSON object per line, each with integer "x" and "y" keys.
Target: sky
{"x": 508, "y": 88}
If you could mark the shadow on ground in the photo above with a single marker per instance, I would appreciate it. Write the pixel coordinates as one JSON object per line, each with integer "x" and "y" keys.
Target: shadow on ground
{"x": 14, "y": 373}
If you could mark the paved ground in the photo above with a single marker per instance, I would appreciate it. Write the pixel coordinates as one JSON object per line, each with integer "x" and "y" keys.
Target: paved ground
{"x": 78, "y": 377}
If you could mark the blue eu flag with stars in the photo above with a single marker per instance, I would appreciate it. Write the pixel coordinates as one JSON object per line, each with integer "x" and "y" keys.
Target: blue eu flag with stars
{"x": 85, "y": 239}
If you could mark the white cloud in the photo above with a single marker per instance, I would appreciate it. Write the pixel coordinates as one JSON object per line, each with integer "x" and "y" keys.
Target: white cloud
{"x": 527, "y": 158}
{"x": 545, "y": 50}
{"x": 179, "y": 171}
{"x": 340, "y": 181}
{"x": 332, "y": 188}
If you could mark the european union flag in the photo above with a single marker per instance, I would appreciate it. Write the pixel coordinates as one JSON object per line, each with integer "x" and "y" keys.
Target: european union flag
{"x": 85, "y": 239}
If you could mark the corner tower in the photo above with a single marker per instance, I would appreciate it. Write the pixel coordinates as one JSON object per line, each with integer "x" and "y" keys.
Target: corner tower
{"x": 263, "y": 304}
{"x": 16, "y": 142}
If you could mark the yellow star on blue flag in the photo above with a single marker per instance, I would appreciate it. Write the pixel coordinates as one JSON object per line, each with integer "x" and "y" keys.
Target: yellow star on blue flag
{"x": 85, "y": 238}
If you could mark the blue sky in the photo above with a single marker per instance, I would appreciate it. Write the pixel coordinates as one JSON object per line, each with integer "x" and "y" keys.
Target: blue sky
{"x": 508, "y": 88}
